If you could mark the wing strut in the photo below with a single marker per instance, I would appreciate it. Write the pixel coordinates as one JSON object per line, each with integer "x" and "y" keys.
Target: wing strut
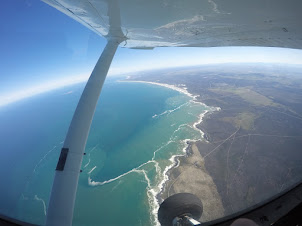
{"x": 62, "y": 198}
{"x": 63, "y": 194}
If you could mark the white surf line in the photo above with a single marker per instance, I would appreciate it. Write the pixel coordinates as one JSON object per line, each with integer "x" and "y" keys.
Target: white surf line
{"x": 160, "y": 186}
{"x": 187, "y": 125}
{"x": 171, "y": 141}
{"x": 43, "y": 202}
{"x": 161, "y": 147}
{"x": 54, "y": 147}
{"x": 179, "y": 127}
{"x": 181, "y": 90}
{"x": 94, "y": 183}
{"x": 158, "y": 170}
{"x": 90, "y": 151}
{"x": 36, "y": 166}
{"x": 153, "y": 203}
{"x": 169, "y": 111}
{"x": 152, "y": 192}
{"x": 173, "y": 159}
{"x": 92, "y": 170}
{"x": 200, "y": 119}
{"x": 116, "y": 186}
{"x": 156, "y": 164}
{"x": 87, "y": 163}
{"x": 152, "y": 199}
{"x": 34, "y": 171}
{"x": 93, "y": 148}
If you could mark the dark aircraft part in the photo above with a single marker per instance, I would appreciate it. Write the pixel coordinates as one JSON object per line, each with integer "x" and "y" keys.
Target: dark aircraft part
{"x": 62, "y": 159}
{"x": 283, "y": 209}
{"x": 7, "y": 221}
{"x": 179, "y": 205}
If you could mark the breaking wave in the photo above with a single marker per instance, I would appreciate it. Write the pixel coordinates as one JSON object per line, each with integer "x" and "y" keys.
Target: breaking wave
{"x": 154, "y": 189}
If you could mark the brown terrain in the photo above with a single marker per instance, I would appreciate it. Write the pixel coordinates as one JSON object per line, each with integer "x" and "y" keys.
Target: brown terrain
{"x": 252, "y": 146}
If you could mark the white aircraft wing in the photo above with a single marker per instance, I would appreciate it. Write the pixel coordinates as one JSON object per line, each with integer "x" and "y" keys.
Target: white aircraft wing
{"x": 204, "y": 23}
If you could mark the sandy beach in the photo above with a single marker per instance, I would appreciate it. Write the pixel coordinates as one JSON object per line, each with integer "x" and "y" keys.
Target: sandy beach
{"x": 191, "y": 176}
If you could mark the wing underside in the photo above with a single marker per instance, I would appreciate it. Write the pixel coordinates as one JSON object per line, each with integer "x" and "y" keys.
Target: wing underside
{"x": 203, "y": 23}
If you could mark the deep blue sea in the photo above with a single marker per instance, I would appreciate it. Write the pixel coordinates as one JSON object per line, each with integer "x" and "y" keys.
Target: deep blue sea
{"x": 136, "y": 131}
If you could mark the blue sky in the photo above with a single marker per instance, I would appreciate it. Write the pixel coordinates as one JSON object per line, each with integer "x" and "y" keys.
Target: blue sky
{"x": 39, "y": 45}
{"x": 38, "y": 42}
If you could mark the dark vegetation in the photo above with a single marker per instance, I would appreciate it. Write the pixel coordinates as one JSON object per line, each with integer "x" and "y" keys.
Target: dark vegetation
{"x": 253, "y": 146}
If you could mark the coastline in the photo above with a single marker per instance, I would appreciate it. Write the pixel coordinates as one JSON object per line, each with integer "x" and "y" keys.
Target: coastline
{"x": 179, "y": 89}
{"x": 187, "y": 172}
{"x": 191, "y": 176}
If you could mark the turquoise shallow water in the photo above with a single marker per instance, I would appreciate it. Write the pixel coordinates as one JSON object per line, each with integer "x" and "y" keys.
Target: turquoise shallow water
{"x": 137, "y": 130}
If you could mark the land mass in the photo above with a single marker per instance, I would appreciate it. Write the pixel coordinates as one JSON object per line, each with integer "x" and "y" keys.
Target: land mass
{"x": 252, "y": 146}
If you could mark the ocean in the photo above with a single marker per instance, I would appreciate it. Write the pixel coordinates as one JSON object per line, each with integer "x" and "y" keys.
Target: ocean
{"x": 137, "y": 132}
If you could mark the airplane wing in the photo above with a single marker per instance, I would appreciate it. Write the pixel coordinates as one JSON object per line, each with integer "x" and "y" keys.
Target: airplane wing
{"x": 204, "y": 23}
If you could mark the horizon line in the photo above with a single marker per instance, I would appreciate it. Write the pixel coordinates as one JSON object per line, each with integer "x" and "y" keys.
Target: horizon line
{"x": 48, "y": 86}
